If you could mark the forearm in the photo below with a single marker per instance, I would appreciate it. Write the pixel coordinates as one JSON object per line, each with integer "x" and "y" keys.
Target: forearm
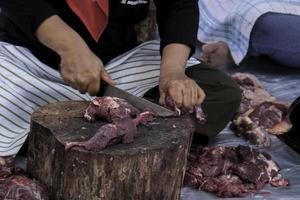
{"x": 58, "y": 36}
{"x": 174, "y": 59}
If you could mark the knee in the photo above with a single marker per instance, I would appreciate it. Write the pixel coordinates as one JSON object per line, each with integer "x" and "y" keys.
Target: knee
{"x": 232, "y": 94}
{"x": 229, "y": 95}
{"x": 217, "y": 84}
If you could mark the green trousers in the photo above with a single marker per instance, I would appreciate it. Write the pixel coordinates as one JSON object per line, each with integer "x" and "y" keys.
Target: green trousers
{"x": 222, "y": 100}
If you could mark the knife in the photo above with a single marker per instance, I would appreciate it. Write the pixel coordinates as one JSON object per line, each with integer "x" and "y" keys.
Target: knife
{"x": 138, "y": 102}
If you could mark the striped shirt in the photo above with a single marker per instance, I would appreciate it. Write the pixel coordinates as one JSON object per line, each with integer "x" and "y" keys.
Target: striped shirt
{"x": 231, "y": 21}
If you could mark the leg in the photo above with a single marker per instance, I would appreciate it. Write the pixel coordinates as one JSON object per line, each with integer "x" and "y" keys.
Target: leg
{"x": 277, "y": 36}
{"x": 222, "y": 97}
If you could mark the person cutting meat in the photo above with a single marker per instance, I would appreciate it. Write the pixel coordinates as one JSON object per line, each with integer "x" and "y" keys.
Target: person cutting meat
{"x": 53, "y": 50}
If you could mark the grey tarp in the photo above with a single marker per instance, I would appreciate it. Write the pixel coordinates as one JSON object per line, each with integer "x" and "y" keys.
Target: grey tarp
{"x": 283, "y": 83}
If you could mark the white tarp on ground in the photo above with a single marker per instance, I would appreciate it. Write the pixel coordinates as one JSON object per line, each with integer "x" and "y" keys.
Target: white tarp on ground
{"x": 283, "y": 83}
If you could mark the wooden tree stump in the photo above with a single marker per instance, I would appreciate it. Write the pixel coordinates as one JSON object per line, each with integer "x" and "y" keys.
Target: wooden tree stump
{"x": 151, "y": 167}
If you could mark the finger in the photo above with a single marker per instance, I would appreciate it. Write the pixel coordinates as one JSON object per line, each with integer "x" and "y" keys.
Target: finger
{"x": 82, "y": 85}
{"x": 201, "y": 96}
{"x": 72, "y": 84}
{"x": 82, "y": 88}
{"x": 105, "y": 76}
{"x": 194, "y": 94}
{"x": 162, "y": 99}
{"x": 93, "y": 88}
{"x": 187, "y": 96}
{"x": 177, "y": 95}
{"x": 68, "y": 79}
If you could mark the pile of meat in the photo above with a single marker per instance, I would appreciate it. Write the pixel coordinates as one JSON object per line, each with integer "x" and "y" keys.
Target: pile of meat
{"x": 231, "y": 171}
{"x": 122, "y": 119}
{"x": 259, "y": 112}
{"x": 14, "y": 185}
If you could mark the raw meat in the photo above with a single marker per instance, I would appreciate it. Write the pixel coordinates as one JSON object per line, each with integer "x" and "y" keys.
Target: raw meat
{"x": 123, "y": 127}
{"x": 231, "y": 171}
{"x": 124, "y": 119}
{"x": 14, "y": 185}
{"x": 6, "y": 166}
{"x": 197, "y": 110}
{"x": 108, "y": 134}
{"x": 22, "y": 188}
{"x": 259, "y": 113}
{"x": 109, "y": 108}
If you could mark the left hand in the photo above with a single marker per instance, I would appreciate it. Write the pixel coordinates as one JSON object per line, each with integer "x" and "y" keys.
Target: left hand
{"x": 184, "y": 91}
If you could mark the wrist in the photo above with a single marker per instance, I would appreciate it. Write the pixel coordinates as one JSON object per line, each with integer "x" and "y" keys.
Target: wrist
{"x": 174, "y": 59}
{"x": 71, "y": 45}
{"x": 171, "y": 70}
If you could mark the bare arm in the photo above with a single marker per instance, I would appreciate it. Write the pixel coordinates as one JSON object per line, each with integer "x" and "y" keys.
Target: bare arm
{"x": 173, "y": 80}
{"x": 79, "y": 66}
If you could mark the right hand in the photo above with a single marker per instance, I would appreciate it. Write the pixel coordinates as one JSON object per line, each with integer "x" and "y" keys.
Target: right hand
{"x": 83, "y": 70}
{"x": 80, "y": 67}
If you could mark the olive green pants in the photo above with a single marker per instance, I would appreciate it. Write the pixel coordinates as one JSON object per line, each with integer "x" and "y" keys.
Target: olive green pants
{"x": 222, "y": 98}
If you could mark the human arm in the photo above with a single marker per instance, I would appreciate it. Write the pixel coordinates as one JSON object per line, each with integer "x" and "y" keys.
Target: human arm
{"x": 80, "y": 67}
{"x": 39, "y": 22}
{"x": 174, "y": 82}
{"x": 178, "y": 24}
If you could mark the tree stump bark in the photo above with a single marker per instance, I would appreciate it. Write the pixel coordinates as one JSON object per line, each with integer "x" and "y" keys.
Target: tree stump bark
{"x": 152, "y": 167}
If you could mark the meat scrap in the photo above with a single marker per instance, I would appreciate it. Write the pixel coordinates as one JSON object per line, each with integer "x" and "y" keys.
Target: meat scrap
{"x": 6, "y": 166}
{"x": 231, "y": 171}
{"x": 109, "y": 108}
{"x": 123, "y": 118}
{"x": 259, "y": 112}
{"x": 197, "y": 110}
{"x": 14, "y": 185}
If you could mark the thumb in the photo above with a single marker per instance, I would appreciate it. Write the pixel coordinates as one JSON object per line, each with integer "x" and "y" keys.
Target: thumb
{"x": 210, "y": 48}
{"x": 105, "y": 76}
{"x": 162, "y": 98}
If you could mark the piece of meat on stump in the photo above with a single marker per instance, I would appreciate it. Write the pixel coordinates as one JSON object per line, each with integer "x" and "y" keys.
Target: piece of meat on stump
{"x": 109, "y": 108}
{"x": 123, "y": 118}
{"x": 112, "y": 133}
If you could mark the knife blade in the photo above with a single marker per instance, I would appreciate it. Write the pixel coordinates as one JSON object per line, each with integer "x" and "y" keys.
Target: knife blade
{"x": 138, "y": 102}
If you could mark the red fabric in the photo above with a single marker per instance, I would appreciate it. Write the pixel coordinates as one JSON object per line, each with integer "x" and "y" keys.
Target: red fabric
{"x": 93, "y": 14}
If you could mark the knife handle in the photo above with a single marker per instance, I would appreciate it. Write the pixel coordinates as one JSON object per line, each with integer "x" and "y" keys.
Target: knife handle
{"x": 103, "y": 85}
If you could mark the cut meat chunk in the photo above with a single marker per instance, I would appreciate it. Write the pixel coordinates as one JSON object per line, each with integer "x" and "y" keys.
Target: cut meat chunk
{"x": 259, "y": 113}
{"x": 14, "y": 185}
{"x": 231, "y": 171}
{"x": 123, "y": 118}
{"x": 22, "y": 188}
{"x": 109, "y": 108}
